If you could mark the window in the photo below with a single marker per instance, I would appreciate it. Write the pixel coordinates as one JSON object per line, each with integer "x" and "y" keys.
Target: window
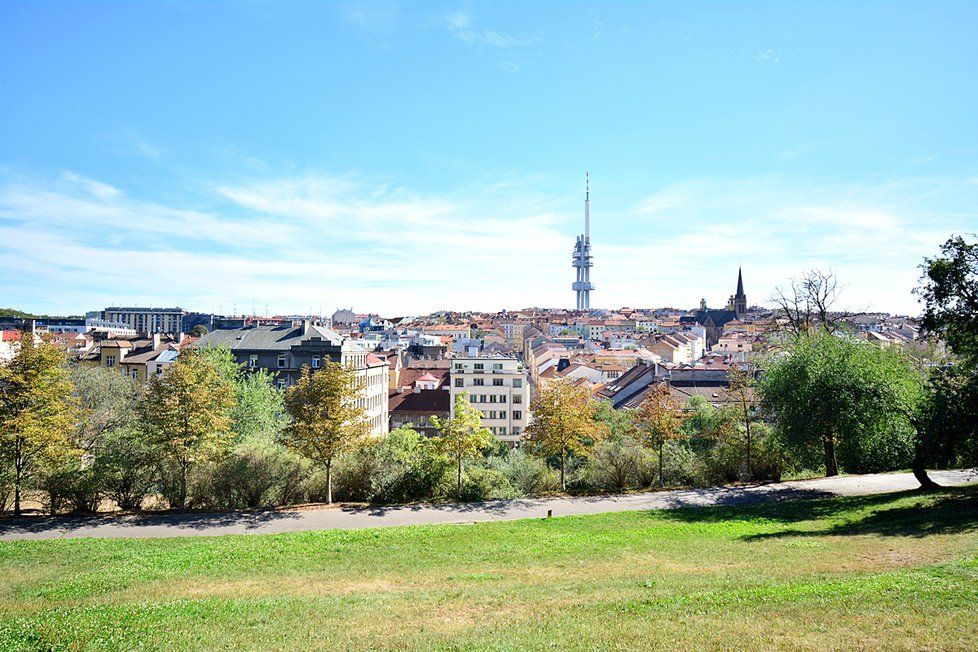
{"x": 517, "y": 398}
{"x": 502, "y": 430}
{"x": 482, "y": 398}
{"x": 497, "y": 365}
{"x": 281, "y": 384}
{"x": 479, "y": 366}
{"x": 497, "y": 382}
{"x": 517, "y": 415}
{"x": 134, "y": 374}
{"x": 110, "y": 361}
{"x": 315, "y": 362}
{"x": 492, "y": 398}
{"x": 252, "y": 361}
{"x": 502, "y": 398}
{"x": 281, "y": 361}
{"x": 459, "y": 382}
{"x": 517, "y": 382}
{"x": 479, "y": 382}
{"x": 502, "y": 414}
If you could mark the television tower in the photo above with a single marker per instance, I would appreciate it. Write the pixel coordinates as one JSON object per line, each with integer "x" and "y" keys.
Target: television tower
{"x": 581, "y": 258}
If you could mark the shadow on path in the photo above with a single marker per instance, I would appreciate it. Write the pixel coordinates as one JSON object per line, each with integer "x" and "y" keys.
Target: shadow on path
{"x": 191, "y": 521}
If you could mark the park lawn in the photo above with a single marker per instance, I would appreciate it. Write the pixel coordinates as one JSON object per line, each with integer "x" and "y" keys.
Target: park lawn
{"x": 897, "y": 571}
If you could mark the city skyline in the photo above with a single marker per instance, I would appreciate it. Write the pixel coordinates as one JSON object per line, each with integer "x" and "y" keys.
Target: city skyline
{"x": 403, "y": 160}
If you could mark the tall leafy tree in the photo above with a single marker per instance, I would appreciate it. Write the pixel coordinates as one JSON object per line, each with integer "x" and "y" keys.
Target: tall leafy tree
{"x": 259, "y": 413}
{"x": 462, "y": 436}
{"x": 36, "y": 411}
{"x": 947, "y": 431}
{"x": 107, "y": 400}
{"x": 949, "y": 288}
{"x": 835, "y": 396}
{"x": 660, "y": 419}
{"x": 742, "y": 382}
{"x": 187, "y": 411}
{"x": 563, "y": 422}
{"x": 327, "y": 418}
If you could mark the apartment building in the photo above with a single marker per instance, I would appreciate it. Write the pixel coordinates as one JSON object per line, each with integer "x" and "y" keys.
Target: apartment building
{"x": 285, "y": 350}
{"x": 499, "y": 386}
{"x": 147, "y": 320}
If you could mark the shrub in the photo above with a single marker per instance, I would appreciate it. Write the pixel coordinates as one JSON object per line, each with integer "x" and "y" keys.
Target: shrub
{"x": 614, "y": 465}
{"x": 481, "y": 483}
{"x": 527, "y": 475}
{"x": 680, "y": 465}
{"x": 256, "y": 475}
{"x": 70, "y": 486}
{"x": 128, "y": 467}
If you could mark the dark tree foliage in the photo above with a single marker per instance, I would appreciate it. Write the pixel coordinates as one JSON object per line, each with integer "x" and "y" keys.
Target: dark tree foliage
{"x": 948, "y": 421}
{"x": 949, "y": 289}
{"x": 843, "y": 403}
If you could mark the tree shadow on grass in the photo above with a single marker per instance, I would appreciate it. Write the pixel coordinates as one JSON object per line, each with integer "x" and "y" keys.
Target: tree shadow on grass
{"x": 942, "y": 511}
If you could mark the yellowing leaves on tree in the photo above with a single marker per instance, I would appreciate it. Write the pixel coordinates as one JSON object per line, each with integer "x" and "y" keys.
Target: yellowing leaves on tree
{"x": 327, "y": 417}
{"x": 462, "y": 435}
{"x": 188, "y": 411}
{"x": 36, "y": 410}
{"x": 563, "y": 422}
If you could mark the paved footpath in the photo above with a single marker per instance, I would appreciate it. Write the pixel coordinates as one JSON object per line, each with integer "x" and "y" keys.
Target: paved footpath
{"x": 323, "y": 518}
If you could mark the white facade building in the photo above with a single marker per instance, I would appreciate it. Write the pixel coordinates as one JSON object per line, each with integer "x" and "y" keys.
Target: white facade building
{"x": 499, "y": 386}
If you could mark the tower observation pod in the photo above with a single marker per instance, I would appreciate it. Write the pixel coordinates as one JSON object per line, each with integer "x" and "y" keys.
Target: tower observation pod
{"x": 581, "y": 258}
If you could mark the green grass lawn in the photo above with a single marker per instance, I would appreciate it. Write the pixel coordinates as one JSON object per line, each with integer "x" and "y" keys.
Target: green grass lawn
{"x": 883, "y": 572}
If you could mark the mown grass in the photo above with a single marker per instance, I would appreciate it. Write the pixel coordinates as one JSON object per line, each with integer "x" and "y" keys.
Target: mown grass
{"x": 886, "y": 572}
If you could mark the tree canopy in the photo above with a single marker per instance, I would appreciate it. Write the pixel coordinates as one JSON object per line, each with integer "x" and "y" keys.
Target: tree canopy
{"x": 836, "y": 399}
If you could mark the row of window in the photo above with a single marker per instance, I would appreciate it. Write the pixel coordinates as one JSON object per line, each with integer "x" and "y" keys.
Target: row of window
{"x": 493, "y": 398}
{"x": 501, "y": 414}
{"x": 481, "y": 382}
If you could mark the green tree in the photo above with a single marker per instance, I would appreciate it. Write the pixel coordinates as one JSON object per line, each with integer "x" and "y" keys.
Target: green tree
{"x": 947, "y": 432}
{"x": 199, "y": 330}
{"x": 259, "y": 413}
{"x": 742, "y": 382}
{"x": 835, "y": 396}
{"x": 660, "y": 419}
{"x": 107, "y": 400}
{"x": 949, "y": 288}
{"x": 187, "y": 411}
{"x": 36, "y": 411}
{"x": 327, "y": 417}
{"x": 462, "y": 436}
{"x": 563, "y": 422}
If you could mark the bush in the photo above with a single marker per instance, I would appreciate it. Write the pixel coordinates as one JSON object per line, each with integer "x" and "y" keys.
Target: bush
{"x": 614, "y": 465}
{"x": 481, "y": 483}
{"x": 71, "y": 487}
{"x": 256, "y": 475}
{"x": 527, "y": 475}
{"x": 680, "y": 465}
{"x": 129, "y": 467}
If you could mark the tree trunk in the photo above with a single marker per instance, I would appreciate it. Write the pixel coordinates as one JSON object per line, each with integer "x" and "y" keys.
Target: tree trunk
{"x": 458, "y": 478}
{"x": 920, "y": 471}
{"x": 661, "y": 480}
{"x": 563, "y": 483}
{"x": 831, "y": 465}
{"x": 329, "y": 481}
{"x": 183, "y": 486}
{"x": 750, "y": 472}
{"x": 19, "y": 464}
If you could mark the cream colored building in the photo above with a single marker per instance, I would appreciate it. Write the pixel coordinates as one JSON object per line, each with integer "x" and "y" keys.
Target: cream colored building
{"x": 499, "y": 386}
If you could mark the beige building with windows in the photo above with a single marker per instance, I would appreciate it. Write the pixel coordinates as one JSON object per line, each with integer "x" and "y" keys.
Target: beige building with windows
{"x": 498, "y": 386}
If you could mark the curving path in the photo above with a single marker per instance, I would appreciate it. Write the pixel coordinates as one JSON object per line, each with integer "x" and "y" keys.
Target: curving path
{"x": 322, "y": 518}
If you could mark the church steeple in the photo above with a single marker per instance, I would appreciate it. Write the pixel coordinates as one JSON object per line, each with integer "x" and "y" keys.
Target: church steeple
{"x": 740, "y": 299}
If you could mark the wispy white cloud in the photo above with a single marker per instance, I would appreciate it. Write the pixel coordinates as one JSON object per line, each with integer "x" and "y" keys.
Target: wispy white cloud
{"x": 460, "y": 26}
{"x": 71, "y": 243}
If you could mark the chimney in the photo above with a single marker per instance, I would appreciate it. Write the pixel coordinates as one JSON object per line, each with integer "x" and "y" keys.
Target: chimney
{"x": 156, "y": 341}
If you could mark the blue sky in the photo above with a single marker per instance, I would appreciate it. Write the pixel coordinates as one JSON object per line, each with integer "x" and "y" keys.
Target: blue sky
{"x": 402, "y": 158}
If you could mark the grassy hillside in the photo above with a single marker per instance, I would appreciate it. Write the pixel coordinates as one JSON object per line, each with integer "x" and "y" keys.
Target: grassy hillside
{"x": 894, "y": 572}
